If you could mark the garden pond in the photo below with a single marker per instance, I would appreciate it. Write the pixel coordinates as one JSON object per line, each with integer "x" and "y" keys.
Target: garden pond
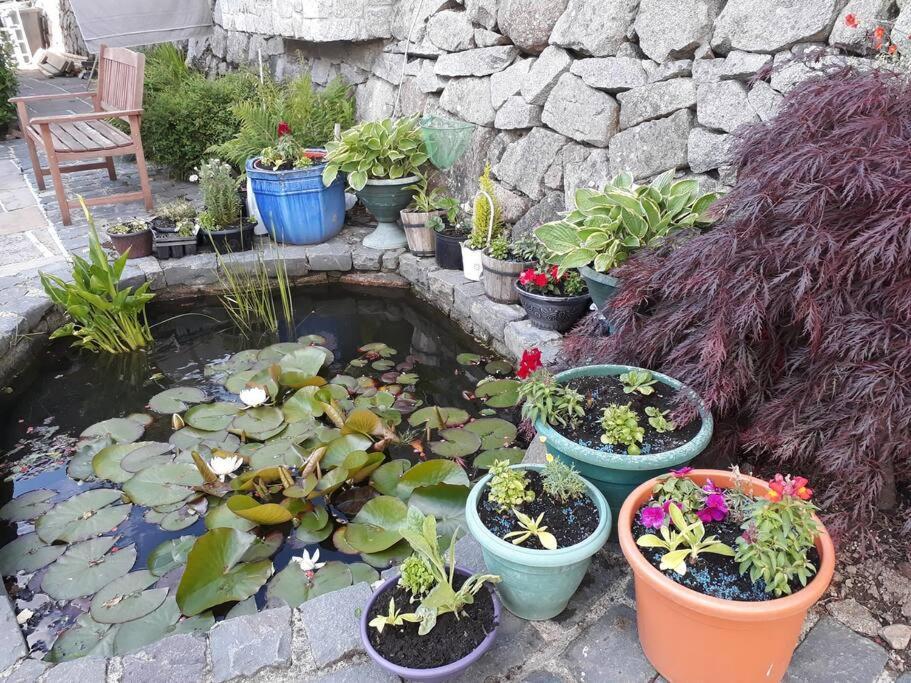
{"x": 126, "y": 471}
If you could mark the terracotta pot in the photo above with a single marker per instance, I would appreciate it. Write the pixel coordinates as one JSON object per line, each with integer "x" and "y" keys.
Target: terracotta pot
{"x": 500, "y": 277}
{"x": 690, "y": 637}
{"x": 421, "y": 239}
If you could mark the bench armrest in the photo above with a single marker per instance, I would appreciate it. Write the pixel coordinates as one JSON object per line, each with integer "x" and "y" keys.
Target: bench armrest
{"x": 86, "y": 116}
{"x": 58, "y": 96}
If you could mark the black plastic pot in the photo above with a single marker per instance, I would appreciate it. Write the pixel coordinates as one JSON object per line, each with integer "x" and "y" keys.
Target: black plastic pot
{"x": 139, "y": 243}
{"x": 557, "y": 313}
{"x": 449, "y": 251}
{"x": 229, "y": 240}
{"x": 171, "y": 245}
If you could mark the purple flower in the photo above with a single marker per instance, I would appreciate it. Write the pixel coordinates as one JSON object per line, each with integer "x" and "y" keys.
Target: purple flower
{"x": 652, "y": 516}
{"x": 715, "y": 510}
{"x": 709, "y": 487}
{"x": 682, "y": 472}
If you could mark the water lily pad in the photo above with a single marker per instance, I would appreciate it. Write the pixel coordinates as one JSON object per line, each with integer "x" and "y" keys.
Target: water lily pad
{"x": 221, "y": 517}
{"x": 212, "y": 417}
{"x": 275, "y": 352}
{"x": 87, "y": 567}
{"x": 341, "y": 543}
{"x": 300, "y": 368}
{"x": 82, "y": 516}
{"x": 260, "y": 513}
{"x": 142, "y": 418}
{"x": 176, "y": 400}
{"x": 275, "y": 453}
{"x": 239, "y": 380}
{"x": 385, "y": 478}
{"x": 214, "y": 574}
{"x": 163, "y": 484}
{"x": 27, "y": 553}
{"x": 303, "y": 405}
{"x": 330, "y": 481}
{"x": 169, "y": 555}
{"x": 80, "y": 467}
{"x": 382, "y": 365}
{"x": 363, "y": 572}
{"x": 257, "y": 421}
{"x": 120, "y": 429}
{"x": 108, "y": 462}
{"x": 375, "y": 527}
{"x": 147, "y": 454}
{"x": 244, "y": 608}
{"x": 386, "y": 558}
{"x": 468, "y": 359}
{"x": 309, "y": 535}
{"x": 452, "y": 417}
{"x": 499, "y": 368}
{"x": 499, "y": 393}
{"x": 489, "y": 457}
{"x": 455, "y": 443}
{"x": 446, "y": 502}
{"x": 126, "y": 598}
{"x": 242, "y": 360}
{"x": 162, "y": 622}
{"x": 264, "y": 547}
{"x": 432, "y": 472}
{"x": 495, "y": 432}
{"x": 378, "y": 348}
{"x": 292, "y": 585}
{"x": 338, "y": 449}
{"x": 29, "y": 505}
{"x": 179, "y": 519}
{"x": 362, "y": 421}
{"x": 190, "y": 438}
{"x": 86, "y": 638}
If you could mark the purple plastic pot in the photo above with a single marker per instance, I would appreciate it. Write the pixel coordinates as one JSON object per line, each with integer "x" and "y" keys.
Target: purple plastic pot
{"x": 440, "y": 673}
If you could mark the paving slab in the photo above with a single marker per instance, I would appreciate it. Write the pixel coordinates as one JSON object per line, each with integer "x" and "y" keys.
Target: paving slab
{"x": 609, "y": 650}
{"x": 332, "y": 623}
{"x": 176, "y": 659}
{"x": 833, "y": 652}
{"x": 245, "y": 645}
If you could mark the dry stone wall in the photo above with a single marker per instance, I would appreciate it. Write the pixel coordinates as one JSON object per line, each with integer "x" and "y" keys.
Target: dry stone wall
{"x": 564, "y": 92}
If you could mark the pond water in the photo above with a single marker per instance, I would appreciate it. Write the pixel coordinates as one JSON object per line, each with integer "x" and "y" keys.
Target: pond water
{"x": 65, "y": 391}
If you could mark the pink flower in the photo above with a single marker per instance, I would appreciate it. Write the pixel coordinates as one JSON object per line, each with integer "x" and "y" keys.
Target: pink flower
{"x": 283, "y": 129}
{"x": 652, "y": 516}
{"x": 715, "y": 510}
{"x": 682, "y": 472}
{"x": 709, "y": 487}
{"x": 531, "y": 361}
{"x": 851, "y": 20}
{"x": 527, "y": 276}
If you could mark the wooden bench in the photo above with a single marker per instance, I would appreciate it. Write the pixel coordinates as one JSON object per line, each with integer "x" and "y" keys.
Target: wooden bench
{"x": 72, "y": 137}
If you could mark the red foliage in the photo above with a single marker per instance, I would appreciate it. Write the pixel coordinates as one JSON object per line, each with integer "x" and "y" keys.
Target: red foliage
{"x": 792, "y": 317}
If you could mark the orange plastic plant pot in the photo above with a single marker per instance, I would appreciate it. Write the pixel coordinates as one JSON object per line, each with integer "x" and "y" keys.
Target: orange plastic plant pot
{"x": 692, "y": 638}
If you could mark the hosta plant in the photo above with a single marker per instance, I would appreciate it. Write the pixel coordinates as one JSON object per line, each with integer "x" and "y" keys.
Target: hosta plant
{"x": 608, "y": 225}
{"x": 380, "y": 150}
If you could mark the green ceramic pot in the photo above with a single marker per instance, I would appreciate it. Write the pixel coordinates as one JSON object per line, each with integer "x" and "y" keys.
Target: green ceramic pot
{"x": 385, "y": 199}
{"x": 536, "y": 584}
{"x": 601, "y": 286}
{"x": 617, "y": 474}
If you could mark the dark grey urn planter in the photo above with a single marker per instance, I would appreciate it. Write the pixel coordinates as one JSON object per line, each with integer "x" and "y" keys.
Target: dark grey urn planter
{"x": 556, "y": 313}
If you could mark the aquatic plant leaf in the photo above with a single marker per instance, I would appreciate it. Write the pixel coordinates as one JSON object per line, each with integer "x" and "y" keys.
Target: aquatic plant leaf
{"x": 29, "y": 505}
{"x": 80, "y": 467}
{"x": 330, "y": 481}
{"x": 347, "y": 381}
{"x": 87, "y": 567}
{"x": 315, "y": 519}
{"x": 307, "y": 535}
{"x": 312, "y": 339}
{"x": 303, "y": 405}
{"x": 498, "y": 367}
{"x": 27, "y": 553}
{"x": 378, "y": 348}
{"x": 258, "y": 420}
{"x": 363, "y": 572}
{"x": 365, "y": 467}
{"x": 341, "y": 543}
{"x": 181, "y": 518}
{"x": 260, "y": 513}
{"x": 455, "y": 443}
{"x": 386, "y": 558}
{"x": 159, "y": 623}
{"x": 176, "y": 400}
{"x": 212, "y": 417}
{"x": 242, "y": 609}
{"x": 120, "y": 429}
{"x": 489, "y": 457}
{"x": 446, "y": 502}
{"x": 375, "y": 527}
{"x": 338, "y": 449}
{"x": 86, "y": 638}
{"x": 468, "y": 359}
{"x": 108, "y": 462}
{"x": 297, "y": 432}
{"x": 301, "y": 367}
{"x": 189, "y": 438}
{"x": 385, "y": 478}
{"x": 214, "y": 574}
{"x": 499, "y": 393}
{"x": 242, "y": 360}
{"x": 432, "y": 472}
{"x": 147, "y": 454}
{"x": 142, "y": 418}
{"x": 495, "y": 432}
{"x": 169, "y": 555}
{"x": 382, "y": 365}
{"x": 126, "y": 598}
{"x": 275, "y": 453}
{"x": 221, "y": 517}
{"x": 239, "y": 380}
{"x": 292, "y": 585}
{"x": 163, "y": 484}
{"x": 362, "y": 421}
{"x": 82, "y": 516}
{"x": 452, "y": 417}
{"x": 264, "y": 547}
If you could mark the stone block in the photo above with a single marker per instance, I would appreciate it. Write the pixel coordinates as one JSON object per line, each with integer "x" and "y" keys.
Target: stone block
{"x": 12, "y": 644}
{"x": 175, "y": 659}
{"x": 613, "y": 74}
{"x": 521, "y": 335}
{"x": 492, "y": 317}
{"x": 482, "y": 12}
{"x": 652, "y": 147}
{"x": 674, "y": 28}
{"x": 427, "y": 81}
{"x": 594, "y": 27}
{"x": 743, "y": 65}
{"x": 707, "y": 150}
{"x": 485, "y": 38}
{"x": 528, "y": 23}
{"x": 365, "y": 258}
{"x": 544, "y": 211}
{"x": 441, "y": 285}
{"x": 190, "y": 271}
{"x": 655, "y": 100}
{"x": 368, "y": 672}
{"x": 594, "y": 171}
{"x": 27, "y": 671}
{"x": 391, "y": 259}
{"x": 463, "y": 296}
{"x": 469, "y": 555}
{"x": 329, "y": 256}
{"x": 516, "y": 638}
{"x": 83, "y": 670}
{"x": 543, "y": 75}
{"x": 332, "y": 623}
{"x": 724, "y": 106}
{"x": 609, "y": 650}
{"x": 769, "y": 25}
{"x": 481, "y": 61}
{"x": 469, "y": 99}
{"x": 581, "y": 112}
{"x": 764, "y": 100}
{"x": 516, "y": 113}
{"x": 504, "y": 84}
{"x": 244, "y": 645}
{"x": 416, "y": 269}
{"x": 451, "y": 31}
{"x": 833, "y": 652}
{"x": 676, "y": 68}
{"x": 527, "y": 160}
{"x": 374, "y": 99}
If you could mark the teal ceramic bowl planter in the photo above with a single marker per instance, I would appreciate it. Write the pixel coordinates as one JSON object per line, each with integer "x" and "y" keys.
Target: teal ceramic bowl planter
{"x": 536, "y": 584}
{"x": 601, "y": 286}
{"x": 386, "y": 199}
{"x": 617, "y": 474}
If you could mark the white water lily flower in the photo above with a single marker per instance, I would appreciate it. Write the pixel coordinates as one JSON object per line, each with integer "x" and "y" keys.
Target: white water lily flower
{"x": 253, "y": 396}
{"x": 193, "y": 178}
{"x": 225, "y": 466}
{"x": 308, "y": 564}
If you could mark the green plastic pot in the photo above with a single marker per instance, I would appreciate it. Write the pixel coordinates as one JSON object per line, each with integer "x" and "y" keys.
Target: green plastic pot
{"x": 617, "y": 474}
{"x": 536, "y": 584}
{"x": 601, "y": 286}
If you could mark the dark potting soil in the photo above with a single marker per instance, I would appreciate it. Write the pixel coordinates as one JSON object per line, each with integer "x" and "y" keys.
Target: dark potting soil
{"x": 449, "y": 641}
{"x": 570, "y": 523}
{"x": 713, "y": 574}
{"x": 452, "y": 231}
{"x": 600, "y": 392}
{"x": 160, "y": 224}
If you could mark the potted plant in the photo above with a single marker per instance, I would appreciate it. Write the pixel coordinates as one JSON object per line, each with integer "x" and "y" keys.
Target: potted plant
{"x": 221, "y": 223}
{"x": 427, "y": 203}
{"x": 382, "y": 160}
{"x": 502, "y": 262}
{"x": 608, "y": 225}
{"x": 448, "y": 238}
{"x": 289, "y": 194}
{"x": 433, "y": 620}
{"x": 626, "y": 434}
{"x": 726, "y": 567}
{"x": 181, "y": 241}
{"x": 486, "y": 226}
{"x": 553, "y": 300}
{"x": 171, "y": 213}
{"x": 538, "y": 526}
{"x": 133, "y": 238}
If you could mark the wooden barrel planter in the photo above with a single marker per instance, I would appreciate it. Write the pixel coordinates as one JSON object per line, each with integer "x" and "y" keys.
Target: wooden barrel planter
{"x": 421, "y": 239}
{"x": 500, "y": 278}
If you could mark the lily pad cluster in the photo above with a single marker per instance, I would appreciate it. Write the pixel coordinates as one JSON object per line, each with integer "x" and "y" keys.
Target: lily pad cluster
{"x": 276, "y": 448}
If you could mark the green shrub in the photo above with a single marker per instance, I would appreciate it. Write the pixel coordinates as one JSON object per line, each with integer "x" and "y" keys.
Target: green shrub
{"x": 9, "y": 84}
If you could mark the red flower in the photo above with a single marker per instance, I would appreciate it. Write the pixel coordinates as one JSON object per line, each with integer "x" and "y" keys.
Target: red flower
{"x": 555, "y": 272}
{"x": 879, "y": 33}
{"x": 283, "y": 129}
{"x": 541, "y": 279}
{"x": 851, "y": 20}
{"x": 527, "y": 276}
{"x": 531, "y": 361}
{"x": 893, "y": 48}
